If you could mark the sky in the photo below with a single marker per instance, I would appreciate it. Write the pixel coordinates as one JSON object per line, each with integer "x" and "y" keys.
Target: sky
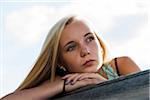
{"x": 24, "y": 24}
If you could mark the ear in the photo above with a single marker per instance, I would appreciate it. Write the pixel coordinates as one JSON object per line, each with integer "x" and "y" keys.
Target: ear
{"x": 101, "y": 49}
{"x": 60, "y": 70}
{"x": 60, "y": 62}
{"x": 61, "y": 65}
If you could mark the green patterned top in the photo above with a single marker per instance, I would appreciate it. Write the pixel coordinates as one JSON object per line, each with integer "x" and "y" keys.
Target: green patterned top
{"x": 111, "y": 74}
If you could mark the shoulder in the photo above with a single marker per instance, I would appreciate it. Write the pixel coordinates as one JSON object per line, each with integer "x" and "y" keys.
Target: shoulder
{"x": 119, "y": 60}
{"x": 123, "y": 60}
{"x": 125, "y": 65}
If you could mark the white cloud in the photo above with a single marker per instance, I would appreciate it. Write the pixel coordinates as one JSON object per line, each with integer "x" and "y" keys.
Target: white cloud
{"x": 103, "y": 13}
{"x": 138, "y": 48}
{"x": 27, "y": 25}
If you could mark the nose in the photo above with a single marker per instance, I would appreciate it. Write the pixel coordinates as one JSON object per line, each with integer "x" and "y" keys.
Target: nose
{"x": 84, "y": 51}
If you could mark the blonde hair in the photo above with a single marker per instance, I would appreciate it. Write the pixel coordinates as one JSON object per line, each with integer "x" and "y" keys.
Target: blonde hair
{"x": 106, "y": 54}
{"x": 45, "y": 65}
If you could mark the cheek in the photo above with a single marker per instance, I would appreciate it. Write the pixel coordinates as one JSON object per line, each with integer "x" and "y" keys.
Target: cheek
{"x": 71, "y": 61}
{"x": 95, "y": 47}
{"x": 97, "y": 51}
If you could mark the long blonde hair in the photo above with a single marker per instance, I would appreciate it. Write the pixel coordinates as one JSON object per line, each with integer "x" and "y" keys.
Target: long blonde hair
{"x": 45, "y": 65}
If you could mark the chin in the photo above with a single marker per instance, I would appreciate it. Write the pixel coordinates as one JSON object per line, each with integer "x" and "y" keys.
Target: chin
{"x": 90, "y": 70}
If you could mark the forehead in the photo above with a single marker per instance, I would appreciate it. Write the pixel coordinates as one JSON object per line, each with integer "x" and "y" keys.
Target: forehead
{"x": 77, "y": 26}
{"x": 74, "y": 30}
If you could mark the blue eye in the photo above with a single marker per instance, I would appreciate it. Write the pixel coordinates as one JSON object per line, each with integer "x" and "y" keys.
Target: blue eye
{"x": 89, "y": 39}
{"x": 71, "y": 47}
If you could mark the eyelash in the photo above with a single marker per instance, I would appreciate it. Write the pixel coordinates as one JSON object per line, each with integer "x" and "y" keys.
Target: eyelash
{"x": 72, "y": 47}
{"x": 90, "y": 38}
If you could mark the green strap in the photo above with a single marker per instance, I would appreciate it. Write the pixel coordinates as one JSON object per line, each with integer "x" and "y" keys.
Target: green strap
{"x": 111, "y": 74}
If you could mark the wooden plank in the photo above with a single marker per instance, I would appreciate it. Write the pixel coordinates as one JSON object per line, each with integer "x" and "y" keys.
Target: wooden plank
{"x": 131, "y": 87}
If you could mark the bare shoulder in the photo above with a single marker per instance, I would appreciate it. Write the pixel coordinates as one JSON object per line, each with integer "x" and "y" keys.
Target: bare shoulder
{"x": 125, "y": 65}
{"x": 124, "y": 60}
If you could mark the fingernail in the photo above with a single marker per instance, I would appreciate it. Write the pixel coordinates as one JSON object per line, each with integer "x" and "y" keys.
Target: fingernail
{"x": 67, "y": 82}
{"x": 72, "y": 83}
{"x": 79, "y": 79}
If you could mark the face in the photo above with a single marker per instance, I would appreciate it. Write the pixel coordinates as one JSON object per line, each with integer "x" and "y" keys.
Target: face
{"x": 80, "y": 50}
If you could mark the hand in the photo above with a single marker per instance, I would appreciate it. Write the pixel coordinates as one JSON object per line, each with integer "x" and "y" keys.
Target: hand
{"x": 77, "y": 80}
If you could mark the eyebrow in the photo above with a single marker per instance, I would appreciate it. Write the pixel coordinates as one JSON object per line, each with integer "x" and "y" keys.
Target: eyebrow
{"x": 87, "y": 34}
{"x": 73, "y": 41}
{"x": 69, "y": 43}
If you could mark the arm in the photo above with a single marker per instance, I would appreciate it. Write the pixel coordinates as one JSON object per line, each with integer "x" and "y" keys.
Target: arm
{"x": 45, "y": 90}
{"x": 77, "y": 80}
{"x": 126, "y": 65}
{"x": 48, "y": 89}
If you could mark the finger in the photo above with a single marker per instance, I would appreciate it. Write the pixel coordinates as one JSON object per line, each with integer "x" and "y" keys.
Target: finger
{"x": 71, "y": 78}
{"x": 66, "y": 76}
{"x": 76, "y": 78}
{"x": 82, "y": 76}
{"x": 85, "y": 76}
{"x": 90, "y": 76}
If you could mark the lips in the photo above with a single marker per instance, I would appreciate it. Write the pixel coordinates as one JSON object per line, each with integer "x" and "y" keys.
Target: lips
{"x": 88, "y": 63}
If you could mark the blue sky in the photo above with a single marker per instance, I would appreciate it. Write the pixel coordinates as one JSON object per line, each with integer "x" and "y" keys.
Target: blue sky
{"x": 124, "y": 24}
